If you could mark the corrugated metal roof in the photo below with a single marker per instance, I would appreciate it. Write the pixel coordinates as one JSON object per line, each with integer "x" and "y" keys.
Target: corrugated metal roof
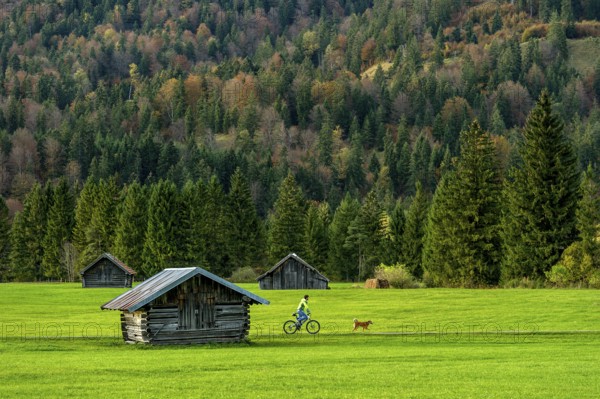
{"x": 114, "y": 260}
{"x": 164, "y": 281}
{"x": 296, "y": 257}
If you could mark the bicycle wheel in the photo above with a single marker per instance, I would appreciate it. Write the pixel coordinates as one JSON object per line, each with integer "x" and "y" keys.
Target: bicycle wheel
{"x": 313, "y": 327}
{"x": 290, "y": 327}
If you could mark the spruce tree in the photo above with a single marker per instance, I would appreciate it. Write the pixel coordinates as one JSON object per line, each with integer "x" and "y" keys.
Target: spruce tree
{"x": 58, "y": 233}
{"x": 99, "y": 233}
{"x": 26, "y": 245}
{"x": 83, "y": 216}
{"x": 286, "y": 224}
{"x": 341, "y": 258}
{"x": 131, "y": 226}
{"x": 540, "y": 197}
{"x": 4, "y": 241}
{"x": 315, "y": 236}
{"x": 414, "y": 231}
{"x": 365, "y": 235}
{"x": 462, "y": 240}
{"x": 588, "y": 216}
{"x": 193, "y": 221}
{"x": 161, "y": 239}
{"x": 244, "y": 231}
{"x": 215, "y": 254}
{"x": 392, "y": 231}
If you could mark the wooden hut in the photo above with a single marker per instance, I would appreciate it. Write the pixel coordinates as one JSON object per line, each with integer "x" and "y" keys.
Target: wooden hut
{"x": 293, "y": 273}
{"x": 185, "y": 306}
{"x": 107, "y": 271}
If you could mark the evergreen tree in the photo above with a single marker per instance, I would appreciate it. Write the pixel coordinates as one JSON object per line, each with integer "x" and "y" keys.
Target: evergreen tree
{"x": 540, "y": 196}
{"x": 83, "y": 216}
{"x": 315, "y": 236}
{"x": 99, "y": 232}
{"x": 193, "y": 222}
{"x": 341, "y": 259}
{"x": 414, "y": 231}
{"x": 215, "y": 254}
{"x": 365, "y": 235}
{"x": 131, "y": 226}
{"x": 162, "y": 238}
{"x": 58, "y": 233}
{"x": 26, "y": 245}
{"x": 4, "y": 241}
{"x": 588, "y": 216}
{"x": 245, "y": 235}
{"x": 286, "y": 224}
{"x": 557, "y": 36}
{"x": 462, "y": 244}
{"x": 393, "y": 229}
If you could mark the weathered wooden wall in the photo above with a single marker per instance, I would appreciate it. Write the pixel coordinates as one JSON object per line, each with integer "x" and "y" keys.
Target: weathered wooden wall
{"x": 195, "y": 312}
{"x": 106, "y": 274}
{"x": 293, "y": 275}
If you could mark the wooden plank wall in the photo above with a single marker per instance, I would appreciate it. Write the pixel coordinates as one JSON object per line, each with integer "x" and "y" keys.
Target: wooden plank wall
{"x": 293, "y": 275}
{"x": 106, "y": 274}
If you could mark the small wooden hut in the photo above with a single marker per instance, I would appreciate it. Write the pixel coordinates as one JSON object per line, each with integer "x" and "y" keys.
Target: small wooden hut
{"x": 185, "y": 306}
{"x": 293, "y": 273}
{"x": 107, "y": 271}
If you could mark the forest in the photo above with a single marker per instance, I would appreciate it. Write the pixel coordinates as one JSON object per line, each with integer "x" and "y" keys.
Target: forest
{"x": 453, "y": 141}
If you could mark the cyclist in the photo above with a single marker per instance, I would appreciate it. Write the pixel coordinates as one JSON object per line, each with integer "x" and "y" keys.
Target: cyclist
{"x": 303, "y": 311}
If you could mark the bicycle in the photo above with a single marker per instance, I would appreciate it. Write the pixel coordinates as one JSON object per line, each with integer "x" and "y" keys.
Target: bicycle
{"x": 291, "y": 326}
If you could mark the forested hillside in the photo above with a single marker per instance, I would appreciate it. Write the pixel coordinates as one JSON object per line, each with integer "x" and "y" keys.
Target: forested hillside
{"x": 447, "y": 136}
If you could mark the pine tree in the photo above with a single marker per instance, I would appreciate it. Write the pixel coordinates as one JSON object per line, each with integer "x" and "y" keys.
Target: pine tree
{"x": 414, "y": 231}
{"x": 341, "y": 259}
{"x": 286, "y": 224}
{"x": 244, "y": 231}
{"x": 462, "y": 241}
{"x": 541, "y": 197}
{"x": 4, "y": 241}
{"x": 162, "y": 238}
{"x": 58, "y": 233}
{"x": 131, "y": 226}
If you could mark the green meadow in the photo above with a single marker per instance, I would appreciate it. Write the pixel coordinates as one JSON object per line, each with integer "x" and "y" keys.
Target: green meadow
{"x": 425, "y": 343}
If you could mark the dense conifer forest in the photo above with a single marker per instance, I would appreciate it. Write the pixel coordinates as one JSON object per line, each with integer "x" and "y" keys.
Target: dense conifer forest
{"x": 453, "y": 142}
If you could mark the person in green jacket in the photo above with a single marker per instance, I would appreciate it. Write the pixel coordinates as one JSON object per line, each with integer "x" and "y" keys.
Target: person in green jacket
{"x": 303, "y": 311}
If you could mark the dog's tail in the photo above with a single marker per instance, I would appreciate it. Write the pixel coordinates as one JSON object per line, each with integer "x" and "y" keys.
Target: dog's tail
{"x": 355, "y": 320}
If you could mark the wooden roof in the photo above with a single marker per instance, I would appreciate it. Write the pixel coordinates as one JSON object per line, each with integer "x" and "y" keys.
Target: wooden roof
{"x": 297, "y": 258}
{"x": 166, "y": 280}
{"x": 114, "y": 260}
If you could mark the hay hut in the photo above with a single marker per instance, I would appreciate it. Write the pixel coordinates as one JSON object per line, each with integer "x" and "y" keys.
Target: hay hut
{"x": 107, "y": 271}
{"x": 185, "y": 306}
{"x": 293, "y": 273}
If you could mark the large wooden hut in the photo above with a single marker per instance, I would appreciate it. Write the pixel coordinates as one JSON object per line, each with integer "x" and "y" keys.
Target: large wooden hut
{"x": 185, "y": 306}
{"x": 107, "y": 271}
{"x": 292, "y": 273}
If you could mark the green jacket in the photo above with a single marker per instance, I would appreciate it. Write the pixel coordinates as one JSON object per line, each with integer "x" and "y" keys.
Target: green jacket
{"x": 303, "y": 306}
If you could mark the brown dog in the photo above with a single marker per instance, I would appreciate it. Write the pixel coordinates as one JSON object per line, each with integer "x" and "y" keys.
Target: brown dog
{"x": 363, "y": 324}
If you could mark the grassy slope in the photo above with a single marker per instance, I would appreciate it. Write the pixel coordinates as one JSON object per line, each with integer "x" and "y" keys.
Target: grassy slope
{"x": 451, "y": 348}
{"x": 584, "y": 54}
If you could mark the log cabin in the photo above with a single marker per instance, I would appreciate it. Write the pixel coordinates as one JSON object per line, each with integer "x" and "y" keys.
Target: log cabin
{"x": 185, "y": 306}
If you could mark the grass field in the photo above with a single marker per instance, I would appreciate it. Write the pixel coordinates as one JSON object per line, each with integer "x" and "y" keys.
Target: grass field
{"x": 429, "y": 343}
